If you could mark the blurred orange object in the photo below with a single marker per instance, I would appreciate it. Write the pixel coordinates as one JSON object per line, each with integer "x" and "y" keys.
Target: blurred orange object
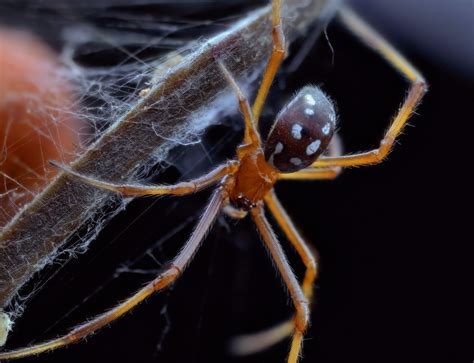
{"x": 37, "y": 121}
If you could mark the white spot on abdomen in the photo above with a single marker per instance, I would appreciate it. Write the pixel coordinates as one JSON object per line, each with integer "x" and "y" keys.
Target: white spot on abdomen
{"x": 309, "y": 111}
{"x": 296, "y": 131}
{"x": 313, "y": 147}
{"x": 310, "y": 99}
{"x": 295, "y": 161}
{"x": 326, "y": 129}
{"x": 278, "y": 148}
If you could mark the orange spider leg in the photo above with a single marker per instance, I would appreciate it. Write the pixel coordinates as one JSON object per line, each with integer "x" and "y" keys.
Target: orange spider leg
{"x": 261, "y": 340}
{"x": 298, "y": 297}
{"x": 416, "y": 91}
{"x": 255, "y": 342}
{"x": 167, "y": 277}
{"x": 311, "y": 174}
{"x": 277, "y": 56}
{"x": 296, "y": 240}
{"x": 251, "y": 135}
{"x": 182, "y": 188}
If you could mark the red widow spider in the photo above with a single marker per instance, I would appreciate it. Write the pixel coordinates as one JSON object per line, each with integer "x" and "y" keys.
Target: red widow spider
{"x": 301, "y": 132}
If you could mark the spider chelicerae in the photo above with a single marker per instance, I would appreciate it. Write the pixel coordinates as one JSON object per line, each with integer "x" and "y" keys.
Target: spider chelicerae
{"x": 294, "y": 148}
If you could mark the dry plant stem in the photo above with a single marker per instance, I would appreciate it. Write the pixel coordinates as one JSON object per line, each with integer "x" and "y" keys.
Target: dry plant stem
{"x": 34, "y": 236}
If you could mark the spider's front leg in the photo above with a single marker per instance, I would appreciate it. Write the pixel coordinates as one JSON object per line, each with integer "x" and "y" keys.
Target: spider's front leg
{"x": 182, "y": 188}
{"x": 252, "y": 115}
{"x": 276, "y": 58}
{"x": 416, "y": 92}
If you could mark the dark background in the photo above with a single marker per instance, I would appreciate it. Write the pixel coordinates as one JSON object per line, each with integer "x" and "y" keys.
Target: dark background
{"x": 394, "y": 252}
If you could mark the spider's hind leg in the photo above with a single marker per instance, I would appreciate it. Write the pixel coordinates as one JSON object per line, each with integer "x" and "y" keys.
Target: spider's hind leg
{"x": 163, "y": 280}
{"x": 256, "y": 342}
{"x": 298, "y": 296}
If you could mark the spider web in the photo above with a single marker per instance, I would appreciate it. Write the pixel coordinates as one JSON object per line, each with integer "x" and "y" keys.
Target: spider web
{"x": 108, "y": 54}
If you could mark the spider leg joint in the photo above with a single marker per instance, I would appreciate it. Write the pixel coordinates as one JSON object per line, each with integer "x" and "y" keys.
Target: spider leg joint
{"x": 302, "y": 316}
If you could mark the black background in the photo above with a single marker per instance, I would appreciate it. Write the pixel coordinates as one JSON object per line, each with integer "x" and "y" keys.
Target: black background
{"x": 394, "y": 258}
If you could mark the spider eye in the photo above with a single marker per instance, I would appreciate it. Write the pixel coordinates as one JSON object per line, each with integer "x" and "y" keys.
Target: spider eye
{"x": 301, "y": 131}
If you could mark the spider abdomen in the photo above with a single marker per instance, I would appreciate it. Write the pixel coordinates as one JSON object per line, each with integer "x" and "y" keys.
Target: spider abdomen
{"x": 301, "y": 131}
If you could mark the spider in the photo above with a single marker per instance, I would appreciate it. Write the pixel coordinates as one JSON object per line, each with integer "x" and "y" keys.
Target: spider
{"x": 294, "y": 149}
